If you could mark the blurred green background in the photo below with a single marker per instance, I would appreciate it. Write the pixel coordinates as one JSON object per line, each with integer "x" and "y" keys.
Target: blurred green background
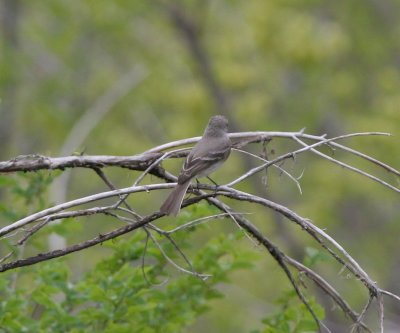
{"x": 135, "y": 74}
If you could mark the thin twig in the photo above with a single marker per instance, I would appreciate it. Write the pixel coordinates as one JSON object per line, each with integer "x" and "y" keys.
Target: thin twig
{"x": 307, "y": 226}
{"x": 362, "y": 314}
{"x": 8, "y": 255}
{"x": 381, "y": 311}
{"x": 173, "y": 263}
{"x": 80, "y": 246}
{"x": 273, "y": 250}
{"x": 201, "y": 220}
{"x": 77, "y": 202}
{"x": 149, "y": 163}
{"x": 137, "y": 216}
{"x": 347, "y": 166}
{"x": 294, "y": 153}
{"x": 396, "y": 297}
{"x": 294, "y": 179}
{"x": 357, "y": 153}
{"x": 143, "y": 258}
{"x": 328, "y": 289}
{"x": 149, "y": 168}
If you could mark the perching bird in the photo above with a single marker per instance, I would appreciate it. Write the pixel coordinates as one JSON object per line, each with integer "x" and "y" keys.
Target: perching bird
{"x": 206, "y": 156}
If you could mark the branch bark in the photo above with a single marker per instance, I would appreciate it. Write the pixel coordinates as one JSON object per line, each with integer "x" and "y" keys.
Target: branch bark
{"x": 149, "y": 162}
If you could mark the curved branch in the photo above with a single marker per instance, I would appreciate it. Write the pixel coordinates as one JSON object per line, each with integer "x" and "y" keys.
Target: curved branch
{"x": 311, "y": 229}
{"x": 73, "y": 203}
{"x": 80, "y": 246}
{"x": 149, "y": 163}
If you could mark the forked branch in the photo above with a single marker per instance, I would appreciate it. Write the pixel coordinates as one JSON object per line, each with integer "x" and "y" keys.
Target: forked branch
{"x": 150, "y": 162}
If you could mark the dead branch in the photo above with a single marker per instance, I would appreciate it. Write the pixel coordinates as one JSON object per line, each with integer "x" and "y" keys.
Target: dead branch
{"x": 149, "y": 162}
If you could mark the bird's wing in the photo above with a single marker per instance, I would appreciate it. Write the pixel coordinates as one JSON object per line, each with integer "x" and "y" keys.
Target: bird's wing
{"x": 201, "y": 159}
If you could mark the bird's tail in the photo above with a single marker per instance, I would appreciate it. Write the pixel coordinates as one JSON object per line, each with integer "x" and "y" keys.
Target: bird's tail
{"x": 172, "y": 204}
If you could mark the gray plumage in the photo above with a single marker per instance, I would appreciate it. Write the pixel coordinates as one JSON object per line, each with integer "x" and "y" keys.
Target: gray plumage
{"x": 207, "y": 155}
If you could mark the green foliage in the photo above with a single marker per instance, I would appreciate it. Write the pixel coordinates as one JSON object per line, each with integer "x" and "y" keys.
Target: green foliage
{"x": 292, "y": 316}
{"x": 313, "y": 256}
{"x": 121, "y": 293}
{"x": 27, "y": 192}
{"x": 116, "y": 295}
{"x": 331, "y": 67}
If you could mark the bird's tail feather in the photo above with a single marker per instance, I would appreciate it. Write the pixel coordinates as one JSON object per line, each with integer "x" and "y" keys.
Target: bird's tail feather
{"x": 172, "y": 204}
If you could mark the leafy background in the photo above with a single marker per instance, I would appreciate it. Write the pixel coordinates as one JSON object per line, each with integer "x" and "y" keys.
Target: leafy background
{"x": 332, "y": 67}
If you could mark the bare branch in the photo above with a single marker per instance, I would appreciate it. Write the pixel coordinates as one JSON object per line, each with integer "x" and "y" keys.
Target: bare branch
{"x": 349, "y": 167}
{"x": 273, "y": 250}
{"x": 77, "y": 202}
{"x": 362, "y": 314}
{"x": 385, "y": 292}
{"x": 149, "y": 163}
{"x": 39, "y": 162}
{"x": 357, "y": 153}
{"x": 302, "y": 150}
{"x": 307, "y": 226}
{"x": 328, "y": 289}
{"x": 173, "y": 263}
{"x": 295, "y": 180}
{"x": 200, "y": 221}
{"x": 80, "y": 246}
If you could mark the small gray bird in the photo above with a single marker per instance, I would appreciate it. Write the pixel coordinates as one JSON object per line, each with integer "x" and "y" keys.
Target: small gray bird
{"x": 207, "y": 155}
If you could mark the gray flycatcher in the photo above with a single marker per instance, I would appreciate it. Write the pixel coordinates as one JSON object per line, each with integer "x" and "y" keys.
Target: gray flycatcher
{"x": 206, "y": 156}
